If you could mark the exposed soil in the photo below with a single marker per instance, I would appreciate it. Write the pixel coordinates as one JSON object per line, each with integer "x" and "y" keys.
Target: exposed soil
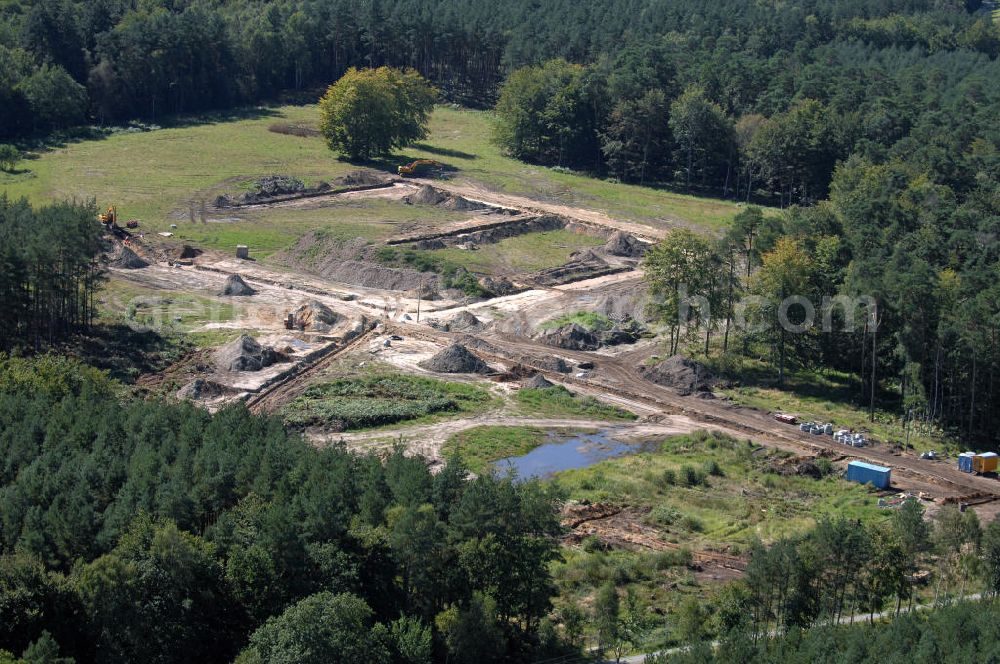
{"x": 314, "y": 316}
{"x": 538, "y": 382}
{"x": 128, "y": 260}
{"x": 682, "y": 374}
{"x": 622, "y": 244}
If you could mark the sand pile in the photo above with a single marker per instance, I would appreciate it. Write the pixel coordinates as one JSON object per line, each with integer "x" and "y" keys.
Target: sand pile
{"x": 314, "y": 316}
{"x": 623, "y": 244}
{"x": 128, "y": 260}
{"x": 236, "y": 286}
{"x": 244, "y": 354}
{"x": 456, "y": 358}
{"x": 682, "y": 374}
{"x": 360, "y": 179}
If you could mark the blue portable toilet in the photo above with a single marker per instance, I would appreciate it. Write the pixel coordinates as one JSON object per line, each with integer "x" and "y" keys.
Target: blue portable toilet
{"x": 868, "y": 473}
{"x": 965, "y": 461}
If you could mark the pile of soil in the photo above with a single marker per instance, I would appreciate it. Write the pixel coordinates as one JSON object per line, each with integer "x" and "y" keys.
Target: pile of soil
{"x": 244, "y": 354}
{"x": 430, "y": 245}
{"x": 427, "y": 195}
{"x": 268, "y": 187}
{"x": 314, "y": 316}
{"x": 571, "y": 337}
{"x": 462, "y": 204}
{"x": 539, "y": 382}
{"x": 128, "y": 260}
{"x": 623, "y": 244}
{"x": 200, "y": 388}
{"x": 236, "y": 286}
{"x": 360, "y": 179}
{"x": 463, "y": 321}
{"x": 456, "y": 358}
{"x": 497, "y": 286}
{"x": 549, "y": 363}
{"x": 682, "y": 374}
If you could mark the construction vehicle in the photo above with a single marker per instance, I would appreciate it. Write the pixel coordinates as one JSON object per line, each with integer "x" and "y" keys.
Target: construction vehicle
{"x": 418, "y": 167}
{"x": 109, "y": 218}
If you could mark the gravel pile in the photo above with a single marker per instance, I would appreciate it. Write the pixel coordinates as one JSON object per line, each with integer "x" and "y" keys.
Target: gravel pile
{"x": 464, "y": 321}
{"x": 456, "y": 358}
{"x": 236, "y": 286}
{"x": 200, "y": 388}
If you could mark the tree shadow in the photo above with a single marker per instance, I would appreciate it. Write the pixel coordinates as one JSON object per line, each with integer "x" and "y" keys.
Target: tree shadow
{"x": 444, "y": 152}
{"x": 391, "y": 163}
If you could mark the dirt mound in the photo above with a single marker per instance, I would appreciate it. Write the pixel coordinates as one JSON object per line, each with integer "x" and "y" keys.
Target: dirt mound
{"x": 623, "y": 244}
{"x": 128, "y": 260}
{"x": 360, "y": 179}
{"x": 549, "y": 363}
{"x": 456, "y": 358}
{"x": 430, "y": 245}
{"x": 462, "y": 204}
{"x": 236, "y": 286}
{"x": 539, "y": 382}
{"x": 314, "y": 316}
{"x": 187, "y": 251}
{"x": 200, "y": 388}
{"x": 266, "y": 188}
{"x": 682, "y": 374}
{"x": 464, "y": 321}
{"x": 498, "y": 286}
{"x": 427, "y": 195}
{"x": 571, "y": 337}
{"x": 244, "y": 354}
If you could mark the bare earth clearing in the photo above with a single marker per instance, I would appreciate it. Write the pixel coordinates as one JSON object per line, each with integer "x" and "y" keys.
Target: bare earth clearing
{"x": 400, "y": 329}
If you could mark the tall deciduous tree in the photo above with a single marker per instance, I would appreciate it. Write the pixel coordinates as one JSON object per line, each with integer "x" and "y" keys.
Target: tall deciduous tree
{"x": 370, "y": 112}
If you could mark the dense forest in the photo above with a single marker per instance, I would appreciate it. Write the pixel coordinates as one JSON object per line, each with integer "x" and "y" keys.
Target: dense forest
{"x": 49, "y": 271}
{"x": 147, "y": 531}
{"x": 65, "y": 61}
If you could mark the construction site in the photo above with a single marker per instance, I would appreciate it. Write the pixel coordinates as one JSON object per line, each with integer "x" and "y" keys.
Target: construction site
{"x": 429, "y": 330}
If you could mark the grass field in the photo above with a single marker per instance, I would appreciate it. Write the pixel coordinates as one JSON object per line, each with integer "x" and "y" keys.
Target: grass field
{"x": 521, "y": 253}
{"x": 157, "y": 176}
{"x": 557, "y": 401}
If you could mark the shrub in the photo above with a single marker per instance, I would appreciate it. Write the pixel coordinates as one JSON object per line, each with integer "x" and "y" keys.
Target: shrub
{"x": 712, "y": 467}
{"x": 691, "y": 477}
{"x": 670, "y": 477}
{"x": 664, "y": 515}
{"x": 692, "y": 523}
{"x": 8, "y": 157}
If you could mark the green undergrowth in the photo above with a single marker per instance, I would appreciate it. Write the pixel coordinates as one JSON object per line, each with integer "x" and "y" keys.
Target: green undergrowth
{"x": 364, "y": 402}
{"x": 589, "y": 320}
{"x": 708, "y": 489}
{"x": 557, "y": 401}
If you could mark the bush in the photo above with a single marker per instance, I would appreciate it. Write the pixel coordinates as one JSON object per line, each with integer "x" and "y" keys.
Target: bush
{"x": 664, "y": 515}
{"x": 9, "y": 155}
{"x": 692, "y": 523}
{"x": 670, "y": 477}
{"x": 690, "y": 476}
{"x": 712, "y": 467}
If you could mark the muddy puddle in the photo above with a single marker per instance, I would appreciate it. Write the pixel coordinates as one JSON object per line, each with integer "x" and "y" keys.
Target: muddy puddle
{"x": 580, "y": 451}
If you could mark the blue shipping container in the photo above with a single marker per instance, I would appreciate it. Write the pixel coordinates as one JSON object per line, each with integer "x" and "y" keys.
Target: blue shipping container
{"x": 965, "y": 461}
{"x": 867, "y": 473}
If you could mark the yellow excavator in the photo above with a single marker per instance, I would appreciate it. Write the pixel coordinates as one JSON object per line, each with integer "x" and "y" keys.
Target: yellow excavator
{"x": 418, "y": 167}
